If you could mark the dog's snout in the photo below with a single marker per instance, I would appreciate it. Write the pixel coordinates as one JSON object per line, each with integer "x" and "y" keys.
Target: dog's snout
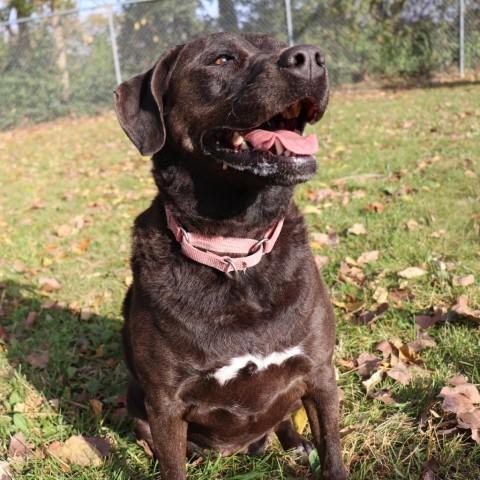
{"x": 303, "y": 60}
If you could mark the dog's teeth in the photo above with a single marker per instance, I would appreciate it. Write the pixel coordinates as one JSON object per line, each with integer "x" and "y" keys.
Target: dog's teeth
{"x": 278, "y": 147}
{"x": 244, "y": 146}
{"x": 287, "y": 153}
{"x": 312, "y": 121}
{"x": 237, "y": 139}
{"x": 224, "y": 166}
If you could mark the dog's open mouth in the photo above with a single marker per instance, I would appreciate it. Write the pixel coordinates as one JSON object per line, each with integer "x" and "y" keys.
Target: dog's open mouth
{"x": 276, "y": 146}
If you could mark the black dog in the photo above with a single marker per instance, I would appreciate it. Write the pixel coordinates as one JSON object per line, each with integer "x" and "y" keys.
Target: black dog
{"x": 224, "y": 346}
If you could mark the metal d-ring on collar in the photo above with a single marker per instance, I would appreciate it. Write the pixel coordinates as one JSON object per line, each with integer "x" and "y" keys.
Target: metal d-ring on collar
{"x": 201, "y": 248}
{"x": 236, "y": 271}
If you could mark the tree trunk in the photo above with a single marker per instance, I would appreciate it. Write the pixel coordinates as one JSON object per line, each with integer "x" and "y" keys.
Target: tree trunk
{"x": 227, "y": 16}
{"x": 62, "y": 56}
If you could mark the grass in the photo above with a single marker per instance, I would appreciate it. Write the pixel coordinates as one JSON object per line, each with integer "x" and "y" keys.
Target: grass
{"x": 69, "y": 192}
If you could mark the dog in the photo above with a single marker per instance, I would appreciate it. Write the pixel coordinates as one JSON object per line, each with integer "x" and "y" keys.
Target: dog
{"x": 228, "y": 327}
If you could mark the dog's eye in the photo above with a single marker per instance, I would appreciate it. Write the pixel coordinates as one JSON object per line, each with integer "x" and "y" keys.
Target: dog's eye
{"x": 223, "y": 59}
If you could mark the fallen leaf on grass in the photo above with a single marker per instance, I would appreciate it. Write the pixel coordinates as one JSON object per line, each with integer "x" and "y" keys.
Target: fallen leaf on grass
{"x": 462, "y": 308}
{"x": 5, "y": 473}
{"x": 49, "y": 284}
{"x": 462, "y": 280}
{"x": 38, "y": 359}
{"x": 367, "y": 318}
{"x": 380, "y": 295}
{"x": 412, "y": 272}
{"x": 400, "y": 373}
{"x": 412, "y": 224}
{"x": 375, "y": 207}
{"x": 427, "y": 321}
{"x": 367, "y": 363}
{"x": 321, "y": 261}
{"x": 384, "y": 396}
{"x": 368, "y": 257}
{"x": 373, "y": 381}
{"x": 357, "y": 229}
{"x": 330, "y": 238}
{"x": 423, "y": 341}
{"x": 82, "y": 451}
{"x": 19, "y": 447}
{"x": 29, "y": 322}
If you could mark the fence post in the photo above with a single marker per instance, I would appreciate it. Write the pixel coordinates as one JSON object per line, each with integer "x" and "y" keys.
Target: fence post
{"x": 288, "y": 14}
{"x": 461, "y": 20}
{"x": 113, "y": 42}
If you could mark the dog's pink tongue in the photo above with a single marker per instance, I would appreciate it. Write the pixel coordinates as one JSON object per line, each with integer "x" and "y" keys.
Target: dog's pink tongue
{"x": 263, "y": 140}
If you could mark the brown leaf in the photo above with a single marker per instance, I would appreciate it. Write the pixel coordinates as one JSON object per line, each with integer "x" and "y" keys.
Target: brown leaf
{"x": 476, "y": 435}
{"x": 5, "y": 473}
{"x": 357, "y": 229}
{"x": 385, "y": 347}
{"x": 412, "y": 224}
{"x": 38, "y": 359}
{"x": 368, "y": 257}
{"x": 374, "y": 207}
{"x": 83, "y": 451}
{"x": 49, "y": 284}
{"x": 380, "y": 295}
{"x": 427, "y": 321}
{"x": 373, "y": 381}
{"x": 19, "y": 447}
{"x": 330, "y": 238}
{"x": 424, "y": 340}
{"x": 466, "y": 389}
{"x": 19, "y": 266}
{"x": 384, "y": 396}
{"x": 29, "y": 322}
{"x": 145, "y": 447}
{"x": 399, "y": 296}
{"x": 412, "y": 272}
{"x": 458, "y": 379}
{"x": 456, "y": 403}
{"x": 321, "y": 261}
{"x": 462, "y": 308}
{"x": 462, "y": 280}
{"x": 367, "y": 363}
{"x": 400, "y": 373}
{"x": 96, "y": 406}
{"x": 469, "y": 419}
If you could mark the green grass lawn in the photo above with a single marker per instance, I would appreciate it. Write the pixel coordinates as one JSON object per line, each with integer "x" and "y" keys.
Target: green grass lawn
{"x": 404, "y": 164}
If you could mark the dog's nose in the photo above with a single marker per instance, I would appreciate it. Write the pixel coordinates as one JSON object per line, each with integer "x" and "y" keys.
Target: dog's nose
{"x": 303, "y": 60}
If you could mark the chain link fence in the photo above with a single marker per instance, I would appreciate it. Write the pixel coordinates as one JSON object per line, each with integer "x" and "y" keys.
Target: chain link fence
{"x": 59, "y": 63}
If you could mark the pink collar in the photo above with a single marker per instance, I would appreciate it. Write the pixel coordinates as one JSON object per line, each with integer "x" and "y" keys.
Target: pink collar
{"x": 252, "y": 249}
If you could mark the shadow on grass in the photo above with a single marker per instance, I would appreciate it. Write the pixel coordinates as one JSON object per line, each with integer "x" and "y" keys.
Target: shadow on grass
{"x": 85, "y": 366}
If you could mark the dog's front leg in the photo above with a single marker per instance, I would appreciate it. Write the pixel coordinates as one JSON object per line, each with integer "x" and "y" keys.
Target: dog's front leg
{"x": 322, "y": 405}
{"x": 169, "y": 433}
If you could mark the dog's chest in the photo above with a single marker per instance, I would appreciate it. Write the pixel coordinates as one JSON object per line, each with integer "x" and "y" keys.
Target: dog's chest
{"x": 250, "y": 385}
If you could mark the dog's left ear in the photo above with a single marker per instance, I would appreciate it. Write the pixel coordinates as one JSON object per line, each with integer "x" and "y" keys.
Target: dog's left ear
{"x": 139, "y": 104}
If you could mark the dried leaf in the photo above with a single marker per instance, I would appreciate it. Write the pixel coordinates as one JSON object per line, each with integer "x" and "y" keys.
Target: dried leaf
{"x": 83, "y": 451}
{"x": 19, "y": 447}
{"x": 375, "y": 207}
{"x": 385, "y": 347}
{"x": 412, "y": 272}
{"x": 469, "y": 419}
{"x": 38, "y": 359}
{"x": 412, "y": 225}
{"x": 321, "y": 261}
{"x": 384, "y": 396}
{"x": 462, "y": 308}
{"x": 400, "y": 373}
{"x": 29, "y": 322}
{"x": 96, "y": 406}
{"x": 458, "y": 379}
{"x": 368, "y": 257}
{"x": 380, "y": 295}
{"x": 476, "y": 435}
{"x": 462, "y": 280}
{"x": 456, "y": 403}
{"x": 373, "y": 381}
{"x": 5, "y": 473}
{"x": 49, "y": 284}
{"x": 357, "y": 229}
{"x": 427, "y": 321}
{"x": 466, "y": 389}
{"x": 367, "y": 363}
{"x": 423, "y": 341}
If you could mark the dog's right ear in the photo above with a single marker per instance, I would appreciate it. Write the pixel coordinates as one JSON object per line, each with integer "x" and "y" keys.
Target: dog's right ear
{"x": 139, "y": 104}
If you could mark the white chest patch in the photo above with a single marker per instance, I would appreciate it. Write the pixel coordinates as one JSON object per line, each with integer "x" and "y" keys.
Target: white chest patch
{"x": 230, "y": 371}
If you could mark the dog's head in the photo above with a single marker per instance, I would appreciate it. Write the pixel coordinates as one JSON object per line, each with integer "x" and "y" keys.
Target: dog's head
{"x": 220, "y": 98}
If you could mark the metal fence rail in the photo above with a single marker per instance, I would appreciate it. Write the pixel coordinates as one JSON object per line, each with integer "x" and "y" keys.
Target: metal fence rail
{"x": 59, "y": 63}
